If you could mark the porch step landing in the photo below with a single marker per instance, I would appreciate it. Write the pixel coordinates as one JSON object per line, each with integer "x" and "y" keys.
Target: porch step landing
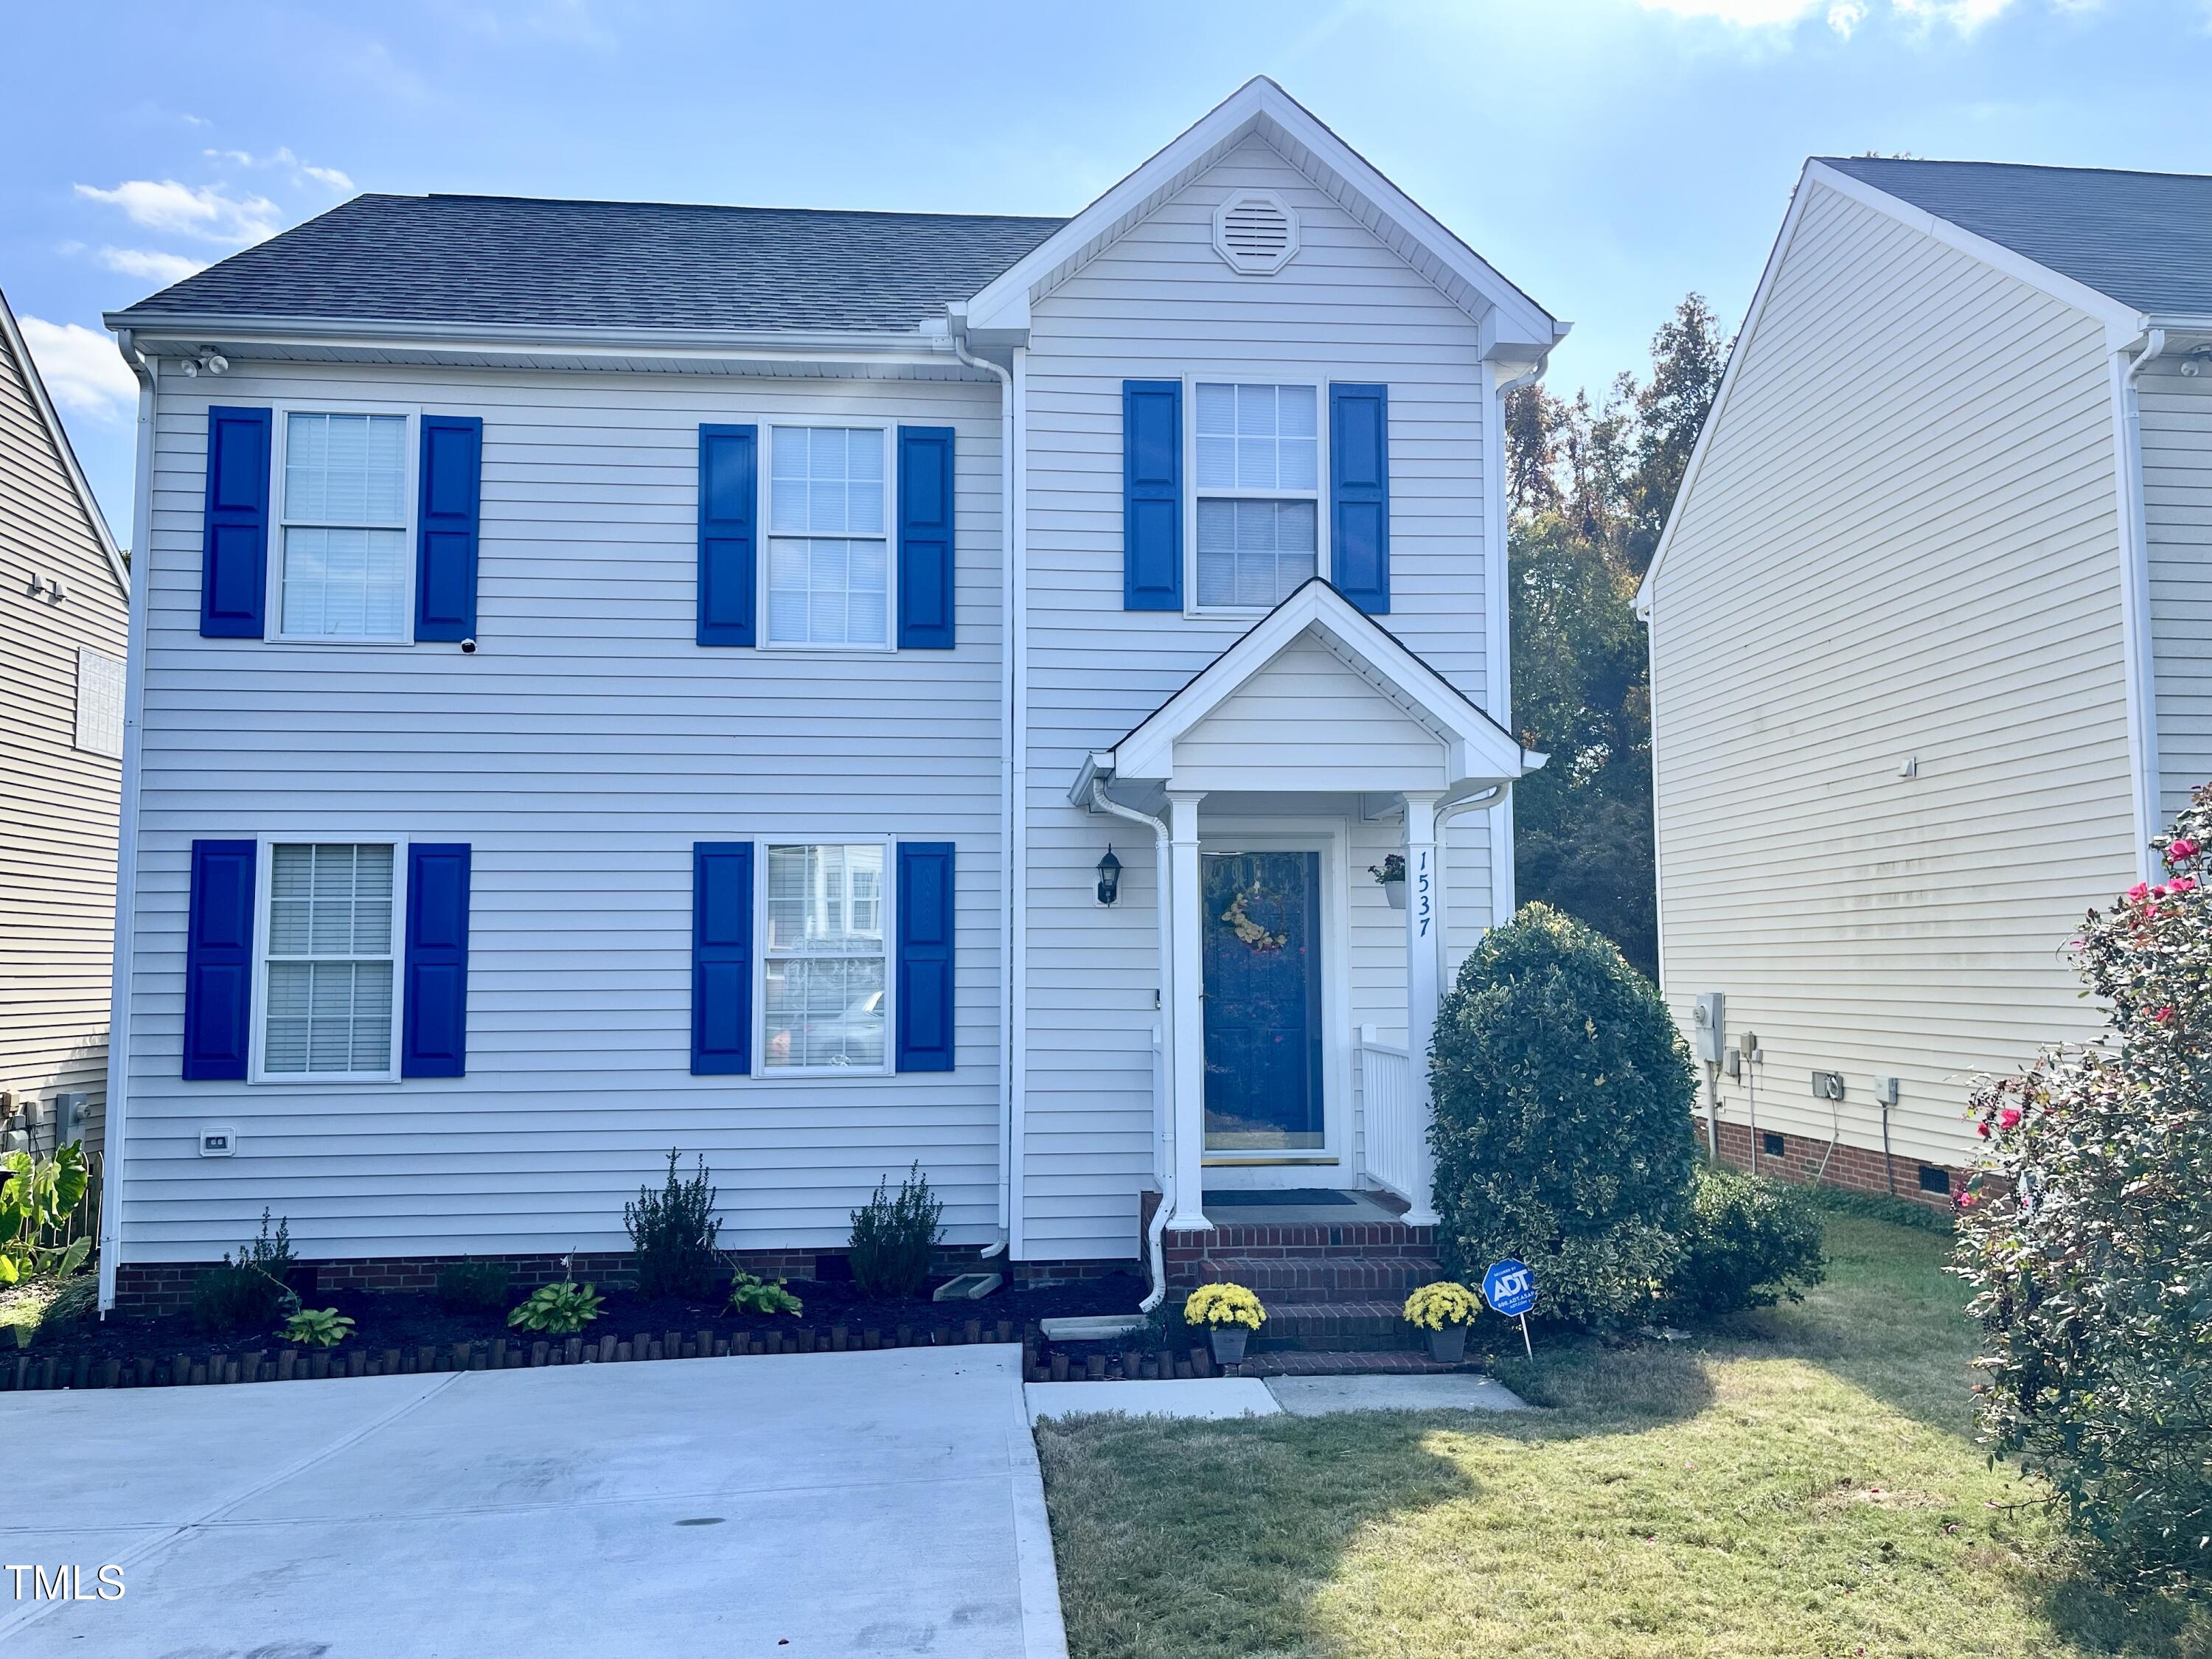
{"x": 1295, "y": 1279}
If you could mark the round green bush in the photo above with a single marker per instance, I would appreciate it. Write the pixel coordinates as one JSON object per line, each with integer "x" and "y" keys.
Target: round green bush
{"x": 1746, "y": 1243}
{"x": 1562, "y": 1128}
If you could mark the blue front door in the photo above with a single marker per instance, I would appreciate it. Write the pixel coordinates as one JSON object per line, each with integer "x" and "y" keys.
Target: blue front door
{"x": 1261, "y": 935}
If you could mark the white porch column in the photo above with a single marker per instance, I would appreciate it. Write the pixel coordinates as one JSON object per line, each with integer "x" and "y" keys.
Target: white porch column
{"x": 1186, "y": 1065}
{"x": 1423, "y": 923}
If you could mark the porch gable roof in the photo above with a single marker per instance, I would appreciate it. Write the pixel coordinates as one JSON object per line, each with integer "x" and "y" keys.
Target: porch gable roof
{"x": 1477, "y": 750}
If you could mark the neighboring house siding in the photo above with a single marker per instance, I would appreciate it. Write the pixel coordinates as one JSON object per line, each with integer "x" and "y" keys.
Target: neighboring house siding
{"x": 2177, "y": 483}
{"x": 581, "y": 752}
{"x": 1159, "y": 303}
{"x": 1902, "y": 542}
{"x": 59, "y": 804}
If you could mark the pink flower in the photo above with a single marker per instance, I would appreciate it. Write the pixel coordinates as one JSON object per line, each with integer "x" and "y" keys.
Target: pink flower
{"x": 2008, "y": 1118}
{"x": 2182, "y": 884}
{"x": 2139, "y": 892}
{"x": 1983, "y": 1129}
{"x": 2163, "y": 1015}
{"x": 2180, "y": 848}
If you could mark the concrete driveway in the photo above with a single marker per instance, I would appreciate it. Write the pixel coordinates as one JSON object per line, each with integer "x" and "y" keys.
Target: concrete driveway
{"x": 786, "y": 1505}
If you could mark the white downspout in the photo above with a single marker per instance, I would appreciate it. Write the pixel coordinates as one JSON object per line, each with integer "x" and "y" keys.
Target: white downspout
{"x": 1008, "y": 822}
{"x": 2138, "y": 647}
{"x": 126, "y": 863}
{"x": 1165, "y": 1104}
{"x": 1497, "y": 665}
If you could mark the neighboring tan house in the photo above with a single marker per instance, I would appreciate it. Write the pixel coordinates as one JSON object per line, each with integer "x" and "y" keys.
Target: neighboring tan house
{"x": 1931, "y": 641}
{"x": 64, "y": 606}
{"x": 622, "y": 676}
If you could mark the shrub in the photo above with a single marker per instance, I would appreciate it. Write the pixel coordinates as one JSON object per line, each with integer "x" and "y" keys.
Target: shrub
{"x": 1223, "y": 1304}
{"x": 1747, "y": 1243}
{"x": 672, "y": 1233}
{"x": 77, "y": 1301}
{"x": 249, "y": 1292}
{"x": 892, "y": 1237}
{"x": 751, "y": 1295}
{"x": 317, "y": 1327}
{"x": 1432, "y": 1307}
{"x": 469, "y": 1285}
{"x": 2087, "y": 1237}
{"x": 560, "y": 1309}
{"x": 1562, "y": 1127}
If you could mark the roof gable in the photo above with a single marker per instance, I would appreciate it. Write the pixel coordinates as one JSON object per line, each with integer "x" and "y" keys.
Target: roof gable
{"x": 11, "y": 343}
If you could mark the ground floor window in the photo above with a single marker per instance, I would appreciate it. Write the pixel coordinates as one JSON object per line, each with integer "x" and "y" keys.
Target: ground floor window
{"x": 824, "y": 1002}
{"x": 327, "y": 960}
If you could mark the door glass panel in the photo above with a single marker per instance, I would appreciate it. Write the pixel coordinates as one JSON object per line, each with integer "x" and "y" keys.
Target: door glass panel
{"x": 1261, "y": 929}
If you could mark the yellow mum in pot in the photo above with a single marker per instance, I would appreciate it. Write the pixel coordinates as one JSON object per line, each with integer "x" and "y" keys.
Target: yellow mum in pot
{"x": 1432, "y": 1307}
{"x": 1223, "y": 1304}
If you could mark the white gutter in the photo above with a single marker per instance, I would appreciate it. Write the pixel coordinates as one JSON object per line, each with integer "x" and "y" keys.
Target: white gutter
{"x": 118, "y": 1112}
{"x": 1007, "y": 821}
{"x": 2136, "y": 644}
{"x": 1100, "y": 801}
{"x": 810, "y": 344}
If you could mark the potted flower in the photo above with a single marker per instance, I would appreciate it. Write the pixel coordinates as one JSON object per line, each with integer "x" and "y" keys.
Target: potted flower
{"x": 1445, "y": 1311}
{"x": 1230, "y": 1313}
{"x": 1391, "y": 874}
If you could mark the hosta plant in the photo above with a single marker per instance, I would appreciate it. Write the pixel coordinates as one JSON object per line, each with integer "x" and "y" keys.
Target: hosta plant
{"x": 751, "y": 1295}
{"x": 1432, "y": 1307}
{"x": 560, "y": 1309}
{"x": 1223, "y": 1304}
{"x": 317, "y": 1327}
{"x": 2086, "y": 1234}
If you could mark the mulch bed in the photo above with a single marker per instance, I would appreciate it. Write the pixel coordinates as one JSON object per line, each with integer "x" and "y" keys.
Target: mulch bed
{"x": 399, "y": 1335}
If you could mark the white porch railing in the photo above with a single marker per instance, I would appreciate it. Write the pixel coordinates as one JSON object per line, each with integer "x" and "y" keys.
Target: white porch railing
{"x": 1391, "y": 1121}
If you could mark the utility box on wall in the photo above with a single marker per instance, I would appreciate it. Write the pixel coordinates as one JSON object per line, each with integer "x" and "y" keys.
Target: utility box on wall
{"x": 1709, "y": 1018}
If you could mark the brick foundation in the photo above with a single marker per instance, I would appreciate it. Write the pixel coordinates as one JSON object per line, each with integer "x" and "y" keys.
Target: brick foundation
{"x": 1857, "y": 1168}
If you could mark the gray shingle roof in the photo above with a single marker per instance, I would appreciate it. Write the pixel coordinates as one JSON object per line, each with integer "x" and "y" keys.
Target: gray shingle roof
{"x": 504, "y": 259}
{"x": 2144, "y": 239}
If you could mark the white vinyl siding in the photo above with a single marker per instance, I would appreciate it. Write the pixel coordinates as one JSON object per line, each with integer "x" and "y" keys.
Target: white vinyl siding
{"x": 825, "y": 997}
{"x": 581, "y": 752}
{"x": 1902, "y": 544}
{"x": 828, "y": 551}
{"x": 1256, "y": 482}
{"x": 1159, "y": 304}
{"x": 2177, "y": 485}
{"x": 328, "y": 975}
{"x": 344, "y": 571}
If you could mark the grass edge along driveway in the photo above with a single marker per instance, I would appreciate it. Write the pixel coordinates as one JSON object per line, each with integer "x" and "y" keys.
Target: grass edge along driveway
{"x": 1807, "y": 1484}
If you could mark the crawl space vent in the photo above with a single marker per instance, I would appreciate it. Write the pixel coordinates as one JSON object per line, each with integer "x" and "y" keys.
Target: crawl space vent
{"x": 1256, "y": 234}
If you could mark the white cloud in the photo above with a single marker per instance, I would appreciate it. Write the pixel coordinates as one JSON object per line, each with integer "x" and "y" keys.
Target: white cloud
{"x": 81, "y": 367}
{"x": 331, "y": 176}
{"x": 154, "y": 267}
{"x": 1844, "y": 16}
{"x": 282, "y": 156}
{"x": 210, "y": 212}
{"x": 1745, "y": 14}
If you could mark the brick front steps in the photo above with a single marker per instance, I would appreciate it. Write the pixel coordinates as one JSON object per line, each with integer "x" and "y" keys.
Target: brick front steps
{"x": 1330, "y": 1287}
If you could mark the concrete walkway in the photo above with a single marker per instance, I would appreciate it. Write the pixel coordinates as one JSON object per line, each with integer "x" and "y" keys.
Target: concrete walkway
{"x": 1248, "y": 1396}
{"x": 846, "y": 1504}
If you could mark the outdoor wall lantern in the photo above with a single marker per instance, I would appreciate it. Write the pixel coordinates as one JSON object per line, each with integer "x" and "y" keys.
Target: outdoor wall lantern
{"x": 1109, "y": 877}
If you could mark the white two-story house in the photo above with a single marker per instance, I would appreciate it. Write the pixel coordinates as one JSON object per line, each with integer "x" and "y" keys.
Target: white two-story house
{"x": 610, "y": 677}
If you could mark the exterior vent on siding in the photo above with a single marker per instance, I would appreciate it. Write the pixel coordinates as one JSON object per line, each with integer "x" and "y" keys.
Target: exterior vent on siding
{"x": 1256, "y": 233}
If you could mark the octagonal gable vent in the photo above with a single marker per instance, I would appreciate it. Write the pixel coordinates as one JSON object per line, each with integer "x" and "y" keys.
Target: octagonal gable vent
{"x": 1256, "y": 233}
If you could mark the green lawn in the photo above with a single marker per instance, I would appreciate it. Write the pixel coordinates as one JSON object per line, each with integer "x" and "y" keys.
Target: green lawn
{"x": 1810, "y": 1487}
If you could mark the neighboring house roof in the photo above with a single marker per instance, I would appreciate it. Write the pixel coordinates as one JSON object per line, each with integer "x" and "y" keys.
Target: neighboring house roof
{"x": 508, "y": 259}
{"x": 11, "y": 340}
{"x": 2144, "y": 239}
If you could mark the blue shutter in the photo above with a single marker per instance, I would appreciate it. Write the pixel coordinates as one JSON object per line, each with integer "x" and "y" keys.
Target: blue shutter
{"x": 1151, "y": 494}
{"x": 721, "y": 957}
{"x": 1359, "y": 494}
{"x": 434, "y": 1031}
{"x": 925, "y": 955}
{"x": 925, "y": 537}
{"x": 729, "y": 494}
{"x": 235, "y": 541}
{"x": 219, "y": 960}
{"x": 449, "y": 499}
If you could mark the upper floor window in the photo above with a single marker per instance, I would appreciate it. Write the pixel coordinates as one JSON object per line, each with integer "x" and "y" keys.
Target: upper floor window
{"x": 327, "y": 960}
{"x": 828, "y": 551}
{"x": 344, "y": 566}
{"x": 825, "y": 965}
{"x": 1258, "y": 478}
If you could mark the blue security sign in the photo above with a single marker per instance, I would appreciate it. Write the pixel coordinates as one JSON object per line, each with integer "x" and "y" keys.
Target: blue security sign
{"x": 1510, "y": 1288}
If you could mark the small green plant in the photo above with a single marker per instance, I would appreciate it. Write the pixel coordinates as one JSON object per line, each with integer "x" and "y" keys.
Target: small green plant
{"x": 1432, "y": 1307}
{"x": 560, "y": 1309}
{"x": 672, "y": 1233}
{"x": 37, "y": 1197}
{"x": 468, "y": 1285}
{"x": 1747, "y": 1243}
{"x": 1223, "y": 1304}
{"x": 751, "y": 1295}
{"x": 317, "y": 1327}
{"x": 892, "y": 1237}
{"x": 247, "y": 1291}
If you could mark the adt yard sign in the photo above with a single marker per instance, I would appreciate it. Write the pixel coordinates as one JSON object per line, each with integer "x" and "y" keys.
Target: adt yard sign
{"x": 1511, "y": 1289}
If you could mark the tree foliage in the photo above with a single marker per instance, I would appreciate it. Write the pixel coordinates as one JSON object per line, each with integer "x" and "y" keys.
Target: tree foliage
{"x": 1562, "y": 1127}
{"x": 2088, "y": 1236}
{"x": 1590, "y": 489}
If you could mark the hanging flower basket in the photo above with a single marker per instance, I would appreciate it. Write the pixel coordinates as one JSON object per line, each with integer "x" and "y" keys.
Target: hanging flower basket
{"x": 1390, "y": 875}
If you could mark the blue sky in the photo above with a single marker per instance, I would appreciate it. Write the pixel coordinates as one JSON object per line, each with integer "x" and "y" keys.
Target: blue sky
{"x": 1607, "y": 154}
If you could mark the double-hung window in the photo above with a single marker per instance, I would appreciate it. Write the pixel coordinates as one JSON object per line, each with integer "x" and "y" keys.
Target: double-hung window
{"x": 344, "y": 566}
{"x": 327, "y": 960}
{"x": 826, "y": 1001}
{"x": 1258, "y": 492}
{"x": 828, "y": 551}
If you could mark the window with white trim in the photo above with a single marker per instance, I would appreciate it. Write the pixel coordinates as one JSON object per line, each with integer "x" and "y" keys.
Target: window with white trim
{"x": 344, "y": 564}
{"x": 1258, "y": 492}
{"x": 99, "y": 703}
{"x": 824, "y": 997}
{"x": 829, "y": 550}
{"x": 327, "y": 960}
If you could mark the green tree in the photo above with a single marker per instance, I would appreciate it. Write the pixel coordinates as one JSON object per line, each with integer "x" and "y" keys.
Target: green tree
{"x": 1590, "y": 489}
